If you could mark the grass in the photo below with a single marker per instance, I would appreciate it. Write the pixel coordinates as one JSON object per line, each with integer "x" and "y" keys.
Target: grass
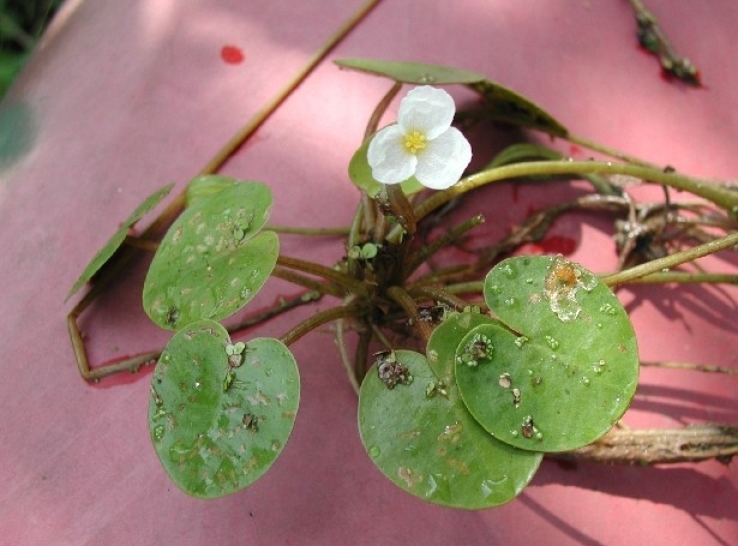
{"x": 22, "y": 22}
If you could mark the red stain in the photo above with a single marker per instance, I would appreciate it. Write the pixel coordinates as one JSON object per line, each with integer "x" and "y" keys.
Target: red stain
{"x": 232, "y": 54}
{"x": 551, "y": 245}
{"x": 515, "y": 192}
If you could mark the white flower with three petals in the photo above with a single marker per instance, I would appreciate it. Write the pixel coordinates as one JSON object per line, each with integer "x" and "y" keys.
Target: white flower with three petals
{"x": 422, "y": 143}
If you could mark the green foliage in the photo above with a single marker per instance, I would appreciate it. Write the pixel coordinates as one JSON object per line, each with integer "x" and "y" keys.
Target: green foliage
{"x": 21, "y": 24}
{"x": 507, "y": 106}
{"x": 205, "y": 186}
{"x": 412, "y": 73}
{"x": 114, "y": 243}
{"x": 421, "y": 437}
{"x": 214, "y": 259}
{"x": 220, "y": 415}
{"x": 465, "y": 425}
{"x": 563, "y": 368}
{"x": 517, "y": 153}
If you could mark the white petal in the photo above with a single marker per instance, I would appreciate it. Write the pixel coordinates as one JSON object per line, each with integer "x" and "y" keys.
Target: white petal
{"x": 426, "y": 109}
{"x": 388, "y": 158}
{"x": 443, "y": 162}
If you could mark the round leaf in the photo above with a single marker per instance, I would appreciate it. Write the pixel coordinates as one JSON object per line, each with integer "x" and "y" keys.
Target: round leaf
{"x": 413, "y": 73}
{"x": 422, "y": 438}
{"x": 219, "y": 421}
{"x": 565, "y": 368}
{"x": 107, "y": 251}
{"x": 211, "y": 263}
{"x": 206, "y": 186}
{"x": 441, "y": 349}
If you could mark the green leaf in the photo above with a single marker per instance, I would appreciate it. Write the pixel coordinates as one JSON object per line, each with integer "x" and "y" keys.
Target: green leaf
{"x": 107, "y": 251}
{"x": 211, "y": 261}
{"x": 206, "y": 186}
{"x": 412, "y": 73}
{"x": 517, "y": 153}
{"x": 504, "y": 105}
{"x": 361, "y": 174}
{"x": 218, "y": 194}
{"x": 218, "y": 423}
{"x": 187, "y": 283}
{"x": 422, "y": 438}
{"x": 564, "y": 368}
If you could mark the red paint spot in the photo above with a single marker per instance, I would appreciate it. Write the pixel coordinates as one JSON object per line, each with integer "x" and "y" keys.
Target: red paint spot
{"x": 552, "y": 245}
{"x": 231, "y": 54}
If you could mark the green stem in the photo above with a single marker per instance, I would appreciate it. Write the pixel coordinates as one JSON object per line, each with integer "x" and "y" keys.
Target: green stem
{"x": 404, "y": 300}
{"x": 606, "y": 150}
{"x": 313, "y": 232}
{"x": 447, "y": 238}
{"x": 708, "y": 190}
{"x": 320, "y": 318}
{"x": 439, "y": 294}
{"x": 707, "y": 368}
{"x": 472, "y": 287}
{"x": 671, "y": 261}
{"x": 342, "y": 351}
{"x": 444, "y": 275}
{"x": 684, "y": 277}
{"x": 381, "y": 108}
{"x": 352, "y": 285}
{"x": 324, "y": 287}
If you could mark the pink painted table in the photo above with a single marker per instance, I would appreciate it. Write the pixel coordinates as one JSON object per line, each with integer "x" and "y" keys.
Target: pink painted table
{"x": 123, "y": 97}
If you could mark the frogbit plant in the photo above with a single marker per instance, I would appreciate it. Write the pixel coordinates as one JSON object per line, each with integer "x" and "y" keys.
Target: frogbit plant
{"x": 467, "y": 372}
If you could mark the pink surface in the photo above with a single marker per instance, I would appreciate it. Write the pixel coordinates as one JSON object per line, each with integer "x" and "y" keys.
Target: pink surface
{"x": 127, "y": 96}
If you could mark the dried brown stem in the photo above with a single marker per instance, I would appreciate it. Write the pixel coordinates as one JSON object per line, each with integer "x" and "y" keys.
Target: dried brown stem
{"x": 693, "y": 443}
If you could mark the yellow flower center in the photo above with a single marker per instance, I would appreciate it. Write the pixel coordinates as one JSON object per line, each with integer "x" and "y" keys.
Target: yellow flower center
{"x": 415, "y": 141}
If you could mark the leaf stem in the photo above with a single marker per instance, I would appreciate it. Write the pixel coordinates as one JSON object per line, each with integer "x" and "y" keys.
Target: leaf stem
{"x": 439, "y": 294}
{"x": 312, "y": 232}
{"x": 711, "y": 191}
{"x": 404, "y": 300}
{"x": 686, "y": 277}
{"x": 355, "y": 286}
{"x": 345, "y": 359}
{"x": 606, "y": 150}
{"x": 320, "y": 318}
{"x": 426, "y": 251}
{"x": 670, "y": 261}
{"x": 707, "y": 368}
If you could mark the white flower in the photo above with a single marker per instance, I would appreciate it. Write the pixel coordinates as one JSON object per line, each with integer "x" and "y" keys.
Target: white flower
{"x": 422, "y": 143}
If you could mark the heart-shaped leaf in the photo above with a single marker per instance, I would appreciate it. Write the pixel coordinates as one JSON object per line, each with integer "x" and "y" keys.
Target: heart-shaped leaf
{"x": 209, "y": 185}
{"x": 107, "y": 251}
{"x": 420, "y": 435}
{"x": 212, "y": 262}
{"x": 220, "y": 414}
{"x": 565, "y": 367}
{"x": 413, "y": 73}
